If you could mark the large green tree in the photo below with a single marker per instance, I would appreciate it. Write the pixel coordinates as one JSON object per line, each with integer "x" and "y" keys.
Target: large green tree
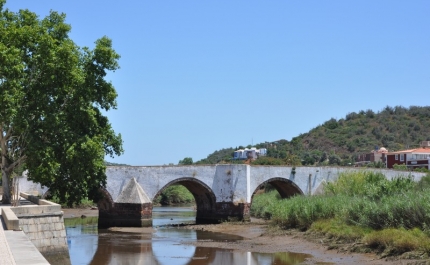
{"x": 52, "y": 94}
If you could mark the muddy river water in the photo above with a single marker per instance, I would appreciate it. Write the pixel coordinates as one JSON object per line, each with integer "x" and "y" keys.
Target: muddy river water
{"x": 89, "y": 245}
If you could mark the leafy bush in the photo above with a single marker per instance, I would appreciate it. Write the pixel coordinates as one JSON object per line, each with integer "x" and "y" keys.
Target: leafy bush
{"x": 421, "y": 169}
{"x": 175, "y": 194}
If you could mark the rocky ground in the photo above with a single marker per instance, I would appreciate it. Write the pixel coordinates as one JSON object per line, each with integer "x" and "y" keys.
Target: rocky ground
{"x": 260, "y": 237}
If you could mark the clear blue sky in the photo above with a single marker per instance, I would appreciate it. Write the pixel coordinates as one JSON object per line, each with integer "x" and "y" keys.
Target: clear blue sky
{"x": 199, "y": 76}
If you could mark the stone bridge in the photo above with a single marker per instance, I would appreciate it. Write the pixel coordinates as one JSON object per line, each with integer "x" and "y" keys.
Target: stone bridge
{"x": 221, "y": 192}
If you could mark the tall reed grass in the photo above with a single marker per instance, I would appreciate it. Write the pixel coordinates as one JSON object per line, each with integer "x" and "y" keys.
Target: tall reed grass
{"x": 366, "y": 200}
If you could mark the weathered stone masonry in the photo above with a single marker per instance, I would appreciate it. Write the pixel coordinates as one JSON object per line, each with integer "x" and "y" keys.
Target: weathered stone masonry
{"x": 43, "y": 224}
{"x": 126, "y": 215}
{"x": 47, "y": 233}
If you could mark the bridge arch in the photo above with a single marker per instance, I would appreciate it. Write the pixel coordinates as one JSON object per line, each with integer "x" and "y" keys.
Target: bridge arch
{"x": 105, "y": 203}
{"x": 203, "y": 194}
{"x": 285, "y": 187}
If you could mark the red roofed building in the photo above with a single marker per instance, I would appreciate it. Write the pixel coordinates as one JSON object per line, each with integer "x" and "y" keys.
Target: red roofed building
{"x": 412, "y": 158}
{"x": 377, "y": 155}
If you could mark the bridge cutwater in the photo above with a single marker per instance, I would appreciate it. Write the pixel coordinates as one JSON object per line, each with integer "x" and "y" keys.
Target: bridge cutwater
{"x": 221, "y": 192}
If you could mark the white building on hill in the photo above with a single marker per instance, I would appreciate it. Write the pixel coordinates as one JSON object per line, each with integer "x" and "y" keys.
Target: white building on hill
{"x": 253, "y": 153}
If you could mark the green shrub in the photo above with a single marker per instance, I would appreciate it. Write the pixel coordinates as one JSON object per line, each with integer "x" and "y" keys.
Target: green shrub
{"x": 175, "y": 194}
{"x": 421, "y": 169}
{"x": 400, "y": 167}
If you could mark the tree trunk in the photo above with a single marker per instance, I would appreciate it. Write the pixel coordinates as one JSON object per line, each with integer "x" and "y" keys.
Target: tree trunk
{"x": 7, "y": 166}
{"x": 6, "y": 187}
{"x": 4, "y": 170}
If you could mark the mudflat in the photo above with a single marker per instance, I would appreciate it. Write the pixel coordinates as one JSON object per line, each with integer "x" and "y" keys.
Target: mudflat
{"x": 259, "y": 237}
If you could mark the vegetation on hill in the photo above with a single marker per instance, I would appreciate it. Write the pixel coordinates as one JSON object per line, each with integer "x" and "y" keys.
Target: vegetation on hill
{"x": 390, "y": 217}
{"x": 186, "y": 161}
{"x": 115, "y": 164}
{"x": 340, "y": 141}
{"x": 218, "y": 156}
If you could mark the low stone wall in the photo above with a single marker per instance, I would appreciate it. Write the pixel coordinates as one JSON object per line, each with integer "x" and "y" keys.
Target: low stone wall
{"x": 43, "y": 224}
{"x": 10, "y": 219}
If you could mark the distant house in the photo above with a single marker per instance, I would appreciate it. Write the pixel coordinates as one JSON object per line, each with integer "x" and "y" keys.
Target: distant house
{"x": 252, "y": 153}
{"x": 412, "y": 158}
{"x": 374, "y": 156}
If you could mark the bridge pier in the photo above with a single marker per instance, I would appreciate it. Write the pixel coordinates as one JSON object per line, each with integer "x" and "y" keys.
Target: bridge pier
{"x": 131, "y": 209}
{"x": 140, "y": 215}
{"x": 126, "y": 215}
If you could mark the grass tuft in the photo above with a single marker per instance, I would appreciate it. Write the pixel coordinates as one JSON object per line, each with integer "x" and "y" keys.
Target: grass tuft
{"x": 338, "y": 229}
{"x": 398, "y": 241}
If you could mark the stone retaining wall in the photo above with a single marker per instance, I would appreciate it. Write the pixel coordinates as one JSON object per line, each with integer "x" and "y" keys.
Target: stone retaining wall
{"x": 43, "y": 224}
{"x": 47, "y": 233}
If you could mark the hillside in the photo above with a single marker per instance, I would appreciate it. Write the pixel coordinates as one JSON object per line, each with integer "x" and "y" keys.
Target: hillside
{"x": 341, "y": 141}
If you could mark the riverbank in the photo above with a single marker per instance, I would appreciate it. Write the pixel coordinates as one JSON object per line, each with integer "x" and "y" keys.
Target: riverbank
{"x": 260, "y": 237}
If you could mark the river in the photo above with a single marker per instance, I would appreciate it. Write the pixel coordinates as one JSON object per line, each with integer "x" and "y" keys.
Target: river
{"x": 89, "y": 245}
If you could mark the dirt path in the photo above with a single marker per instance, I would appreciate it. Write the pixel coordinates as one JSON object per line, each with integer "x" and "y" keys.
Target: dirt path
{"x": 257, "y": 238}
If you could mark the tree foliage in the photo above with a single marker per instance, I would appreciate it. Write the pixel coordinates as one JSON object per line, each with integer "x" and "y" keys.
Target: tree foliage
{"x": 186, "y": 161}
{"x": 219, "y": 156}
{"x": 52, "y": 95}
{"x": 175, "y": 194}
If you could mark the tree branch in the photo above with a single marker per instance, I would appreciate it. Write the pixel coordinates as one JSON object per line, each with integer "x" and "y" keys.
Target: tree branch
{"x": 15, "y": 164}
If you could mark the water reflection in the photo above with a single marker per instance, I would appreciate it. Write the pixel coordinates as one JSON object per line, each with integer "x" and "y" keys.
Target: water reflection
{"x": 164, "y": 215}
{"x": 123, "y": 248}
{"x": 87, "y": 245}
